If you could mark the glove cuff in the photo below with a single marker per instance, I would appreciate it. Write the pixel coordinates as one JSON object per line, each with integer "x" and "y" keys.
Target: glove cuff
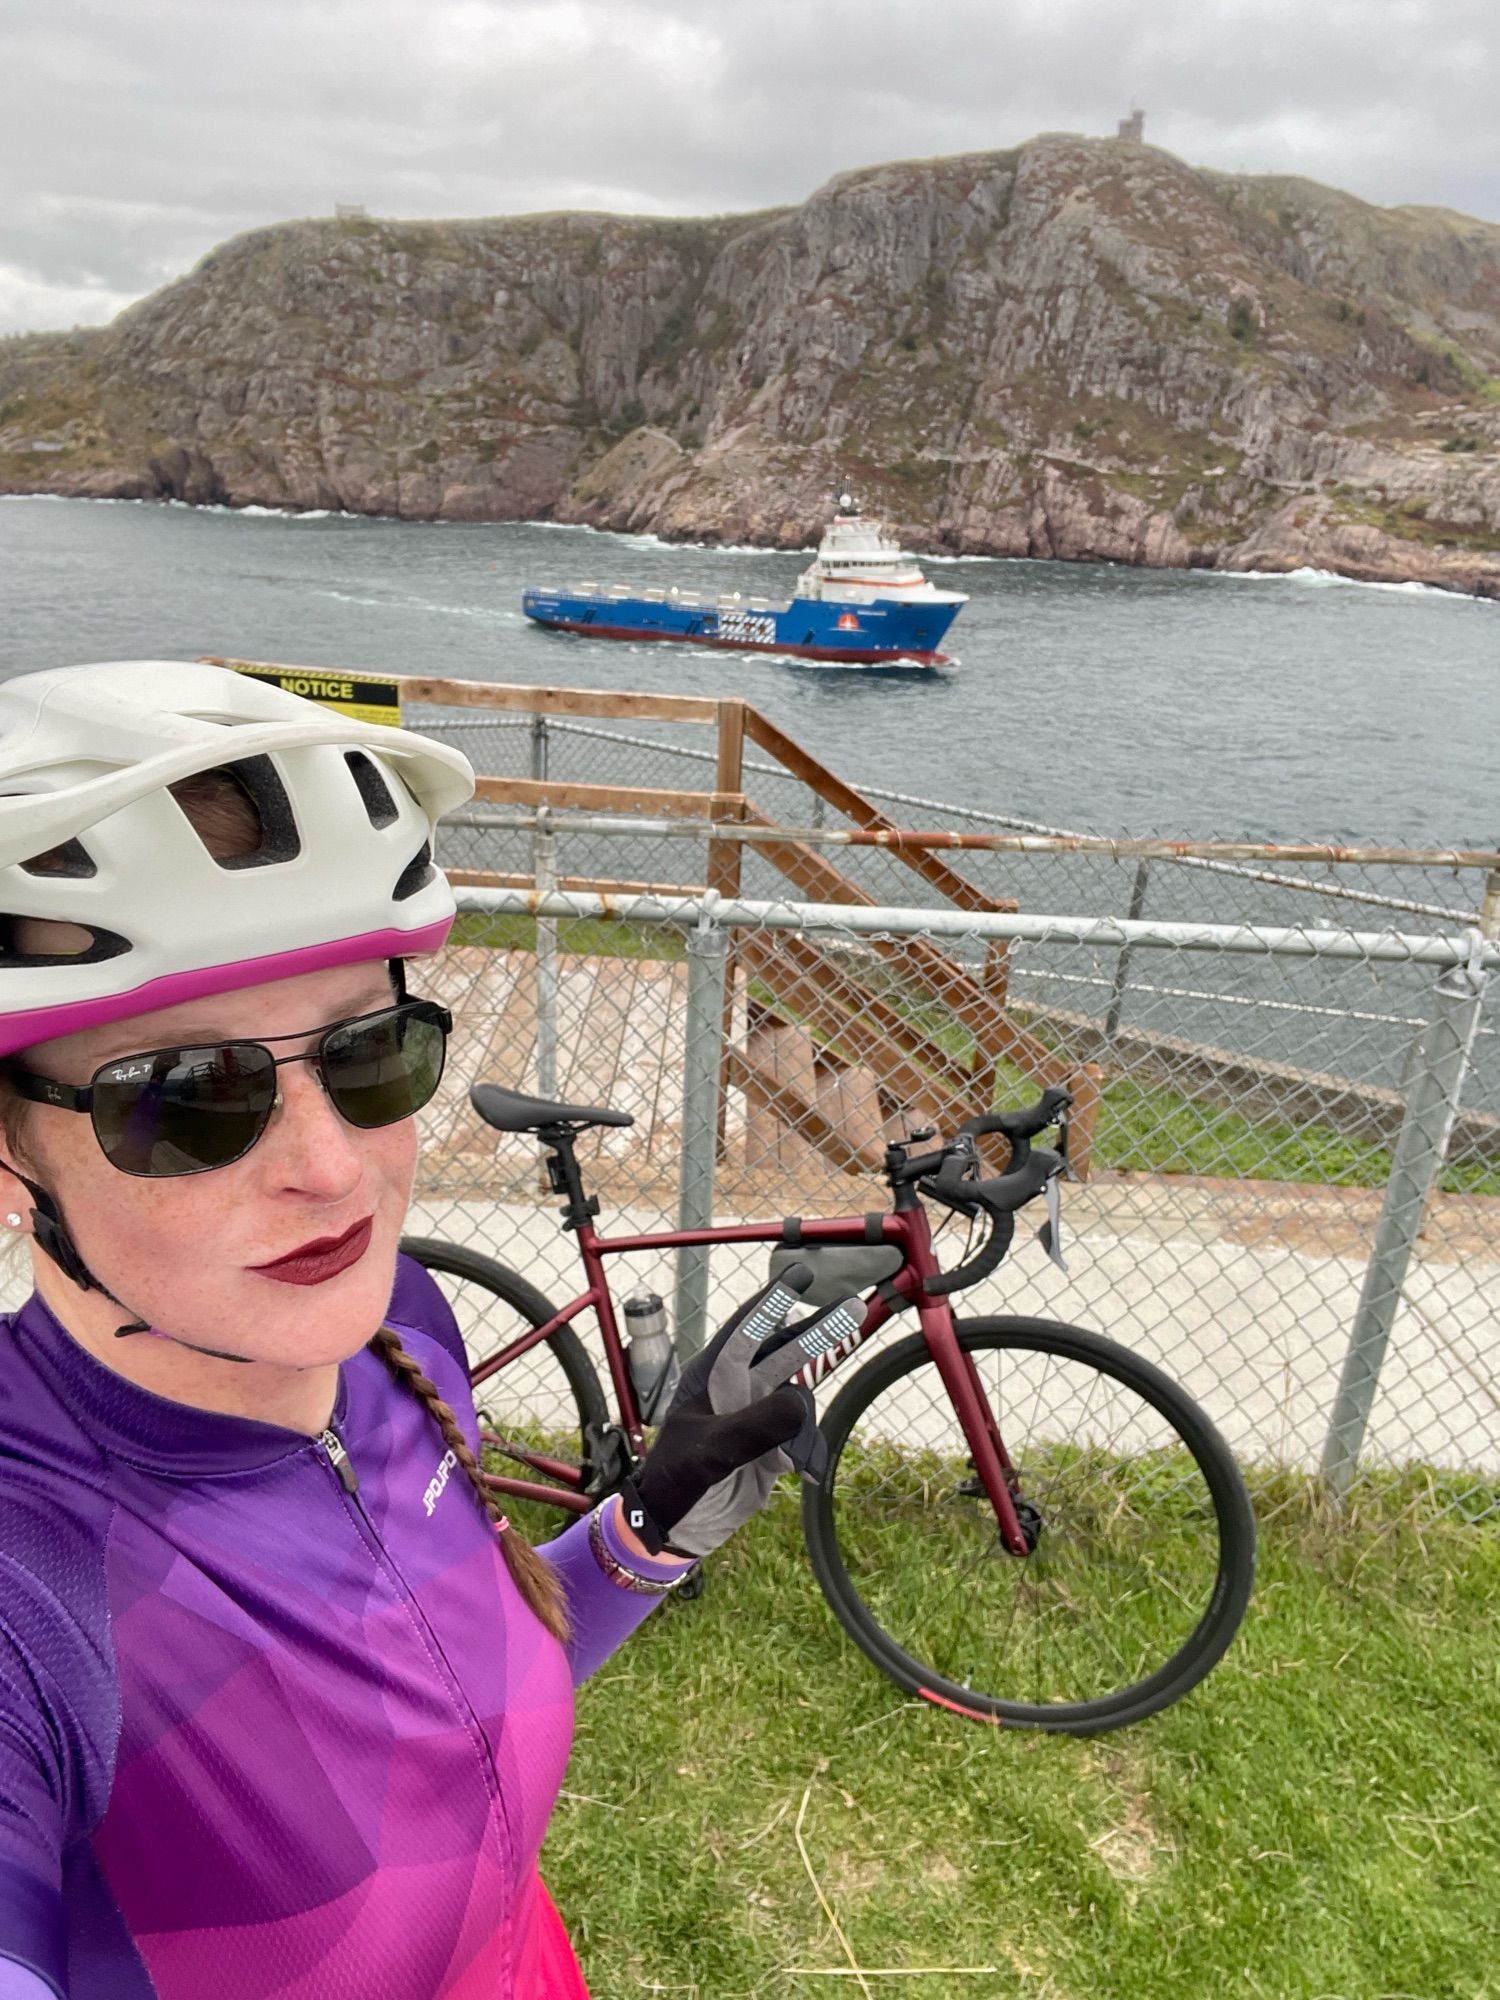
{"x": 640, "y": 1521}
{"x": 643, "y": 1524}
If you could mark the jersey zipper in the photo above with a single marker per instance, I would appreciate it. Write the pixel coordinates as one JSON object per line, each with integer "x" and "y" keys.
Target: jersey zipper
{"x": 340, "y": 1462}
{"x": 339, "y": 1459}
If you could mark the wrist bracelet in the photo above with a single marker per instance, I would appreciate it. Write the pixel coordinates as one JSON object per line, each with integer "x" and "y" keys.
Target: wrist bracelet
{"x": 618, "y": 1571}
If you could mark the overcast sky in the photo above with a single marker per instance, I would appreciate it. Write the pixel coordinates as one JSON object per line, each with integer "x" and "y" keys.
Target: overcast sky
{"x": 136, "y": 134}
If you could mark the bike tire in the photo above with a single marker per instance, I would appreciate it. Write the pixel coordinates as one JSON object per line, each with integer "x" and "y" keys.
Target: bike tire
{"x": 904, "y": 1553}
{"x": 550, "y": 1396}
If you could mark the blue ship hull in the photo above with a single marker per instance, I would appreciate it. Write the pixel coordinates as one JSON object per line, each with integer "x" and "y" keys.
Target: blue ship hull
{"x": 811, "y": 628}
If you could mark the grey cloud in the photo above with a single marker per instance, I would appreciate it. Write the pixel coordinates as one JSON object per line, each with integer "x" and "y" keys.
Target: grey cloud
{"x": 134, "y": 138}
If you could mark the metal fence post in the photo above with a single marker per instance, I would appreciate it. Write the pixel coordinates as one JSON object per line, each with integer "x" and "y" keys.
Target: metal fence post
{"x": 708, "y": 952}
{"x": 1122, "y": 964}
{"x": 1440, "y": 1062}
{"x": 544, "y": 871}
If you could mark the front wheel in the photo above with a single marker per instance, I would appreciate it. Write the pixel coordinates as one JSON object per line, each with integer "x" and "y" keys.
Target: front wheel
{"x": 1144, "y": 1537}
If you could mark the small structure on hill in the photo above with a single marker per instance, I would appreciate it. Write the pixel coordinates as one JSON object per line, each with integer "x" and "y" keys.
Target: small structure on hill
{"x": 349, "y": 211}
{"x": 1133, "y": 127}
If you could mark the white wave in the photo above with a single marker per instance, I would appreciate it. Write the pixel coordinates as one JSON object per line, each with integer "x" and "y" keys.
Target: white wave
{"x": 646, "y": 540}
{"x": 298, "y": 513}
{"x": 1324, "y": 579}
{"x": 351, "y": 597}
{"x": 82, "y": 499}
{"x": 929, "y": 556}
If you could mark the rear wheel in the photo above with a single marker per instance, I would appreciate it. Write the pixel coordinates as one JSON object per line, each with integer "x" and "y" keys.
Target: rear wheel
{"x": 547, "y": 1400}
{"x": 1143, "y": 1541}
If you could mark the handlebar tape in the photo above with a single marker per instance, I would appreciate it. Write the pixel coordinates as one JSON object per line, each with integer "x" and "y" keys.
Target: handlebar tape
{"x": 999, "y": 1197}
{"x": 1018, "y": 1126}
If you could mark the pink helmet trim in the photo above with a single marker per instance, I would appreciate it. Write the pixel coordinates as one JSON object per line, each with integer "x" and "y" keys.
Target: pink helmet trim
{"x": 42, "y": 1024}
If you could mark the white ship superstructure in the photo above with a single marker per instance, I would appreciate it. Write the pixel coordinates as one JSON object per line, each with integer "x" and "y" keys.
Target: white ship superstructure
{"x": 859, "y": 563}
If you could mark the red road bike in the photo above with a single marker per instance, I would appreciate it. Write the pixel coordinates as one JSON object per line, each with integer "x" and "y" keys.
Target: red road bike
{"x": 1021, "y": 1521}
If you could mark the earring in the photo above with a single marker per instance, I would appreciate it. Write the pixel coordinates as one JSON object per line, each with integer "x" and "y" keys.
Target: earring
{"x": 13, "y": 1219}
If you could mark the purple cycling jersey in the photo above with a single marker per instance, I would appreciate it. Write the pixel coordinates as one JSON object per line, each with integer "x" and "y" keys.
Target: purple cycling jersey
{"x": 259, "y": 1734}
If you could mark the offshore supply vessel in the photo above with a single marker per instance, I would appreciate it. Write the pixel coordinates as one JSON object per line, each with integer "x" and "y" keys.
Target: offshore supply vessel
{"x": 863, "y": 600}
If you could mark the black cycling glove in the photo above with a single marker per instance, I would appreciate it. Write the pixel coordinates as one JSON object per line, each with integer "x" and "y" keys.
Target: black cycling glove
{"x": 736, "y": 1422}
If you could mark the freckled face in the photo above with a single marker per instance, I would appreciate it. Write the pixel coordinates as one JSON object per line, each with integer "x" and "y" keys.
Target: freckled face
{"x": 181, "y": 1253}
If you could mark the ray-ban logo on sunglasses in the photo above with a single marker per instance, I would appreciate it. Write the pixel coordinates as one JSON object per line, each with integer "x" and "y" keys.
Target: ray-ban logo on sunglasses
{"x": 129, "y": 1072}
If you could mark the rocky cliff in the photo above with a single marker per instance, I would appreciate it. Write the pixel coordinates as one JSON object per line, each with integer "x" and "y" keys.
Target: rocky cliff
{"x": 1081, "y": 349}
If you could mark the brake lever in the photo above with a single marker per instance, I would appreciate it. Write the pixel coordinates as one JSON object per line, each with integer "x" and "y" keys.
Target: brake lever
{"x": 1061, "y": 1148}
{"x": 1050, "y": 1233}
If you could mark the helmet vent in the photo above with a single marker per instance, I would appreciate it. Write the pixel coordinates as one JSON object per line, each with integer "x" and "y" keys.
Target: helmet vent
{"x": 373, "y": 790}
{"x": 415, "y": 875}
{"x": 71, "y": 858}
{"x": 44, "y": 930}
{"x": 241, "y": 813}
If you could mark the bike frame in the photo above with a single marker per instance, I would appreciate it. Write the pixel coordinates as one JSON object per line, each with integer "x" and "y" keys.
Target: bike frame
{"x": 907, "y": 1227}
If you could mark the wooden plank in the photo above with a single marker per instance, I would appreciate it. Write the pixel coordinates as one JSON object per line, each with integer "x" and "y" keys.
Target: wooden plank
{"x": 1086, "y": 1084}
{"x": 765, "y": 1094}
{"x": 724, "y": 857}
{"x": 581, "y": 885}
{"x": 854, "y": 805}
{"x": 502, "y": 695}
{"x": 725, "y": 868}
{"x": 875, "y": 1036}
{"x": 594, "y": 798}
{"x": 993, "y": 1029}
{"x": 611, "y": 704}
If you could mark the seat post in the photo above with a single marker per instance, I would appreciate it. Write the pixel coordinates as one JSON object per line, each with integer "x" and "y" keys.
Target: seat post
{"x": 565, "y": 1176}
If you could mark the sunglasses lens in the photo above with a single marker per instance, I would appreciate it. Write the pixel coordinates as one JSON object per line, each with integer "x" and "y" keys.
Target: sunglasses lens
{"x": 385, "y": 1068}
{"x": 182, "y": 1111}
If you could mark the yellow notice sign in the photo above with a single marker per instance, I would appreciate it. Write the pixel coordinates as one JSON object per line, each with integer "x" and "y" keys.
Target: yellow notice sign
{"x": 363, "y": 697}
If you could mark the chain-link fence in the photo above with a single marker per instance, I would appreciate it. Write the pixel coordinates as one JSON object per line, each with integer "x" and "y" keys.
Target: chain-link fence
{"x": 1237, "y": 1218}
{"x": 1286, "y": 1061}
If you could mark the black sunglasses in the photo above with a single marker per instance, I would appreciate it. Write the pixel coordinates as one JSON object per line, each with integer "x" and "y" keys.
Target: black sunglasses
{"x": 187, "y": 1110}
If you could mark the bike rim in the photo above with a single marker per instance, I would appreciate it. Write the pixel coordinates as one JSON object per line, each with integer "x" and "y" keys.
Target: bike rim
{"x": 1131, "y": 1592}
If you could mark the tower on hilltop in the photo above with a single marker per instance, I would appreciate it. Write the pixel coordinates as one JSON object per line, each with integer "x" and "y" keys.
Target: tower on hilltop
{"x": 1133, "y": 127}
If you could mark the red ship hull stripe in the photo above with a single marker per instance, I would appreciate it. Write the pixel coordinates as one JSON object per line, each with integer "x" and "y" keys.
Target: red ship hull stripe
{"x": 861, "y": 657}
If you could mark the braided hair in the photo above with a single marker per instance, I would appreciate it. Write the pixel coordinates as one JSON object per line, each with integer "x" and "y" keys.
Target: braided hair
{"x": 534, "y": 1576}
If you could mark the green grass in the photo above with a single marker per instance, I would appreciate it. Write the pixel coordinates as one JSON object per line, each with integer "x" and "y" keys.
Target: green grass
{"x": 591, "y": 937}
{"x": 1146, "y": 1130}
{"x": 1318, "y": 1821}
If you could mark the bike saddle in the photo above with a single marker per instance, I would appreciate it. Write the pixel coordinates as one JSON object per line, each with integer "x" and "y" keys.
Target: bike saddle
{"x": 509, "y": 1111}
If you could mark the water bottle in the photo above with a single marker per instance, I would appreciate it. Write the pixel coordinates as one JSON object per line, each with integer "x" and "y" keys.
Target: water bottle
{"x": 652, "y": 1357}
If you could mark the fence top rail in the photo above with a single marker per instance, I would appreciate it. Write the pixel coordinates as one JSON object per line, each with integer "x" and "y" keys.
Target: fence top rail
{"x": 1115, "y": 847}
{"x": 1469, "y": 948}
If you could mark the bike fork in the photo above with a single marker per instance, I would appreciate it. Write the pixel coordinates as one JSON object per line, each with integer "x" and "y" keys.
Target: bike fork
{"x": 992, "y": 1463}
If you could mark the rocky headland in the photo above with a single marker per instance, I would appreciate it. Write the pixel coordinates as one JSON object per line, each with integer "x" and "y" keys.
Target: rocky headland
{"x": 1080, "y": 349}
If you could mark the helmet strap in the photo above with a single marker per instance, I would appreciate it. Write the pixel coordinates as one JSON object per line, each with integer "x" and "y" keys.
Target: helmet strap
{"x": 51, "y": 1232}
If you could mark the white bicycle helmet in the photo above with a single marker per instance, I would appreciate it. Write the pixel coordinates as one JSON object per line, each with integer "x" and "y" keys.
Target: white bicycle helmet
{"x": 343, "y": 872}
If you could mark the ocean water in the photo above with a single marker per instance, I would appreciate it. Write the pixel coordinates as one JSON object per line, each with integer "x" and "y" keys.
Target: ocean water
{"x": 1094, "y": 696}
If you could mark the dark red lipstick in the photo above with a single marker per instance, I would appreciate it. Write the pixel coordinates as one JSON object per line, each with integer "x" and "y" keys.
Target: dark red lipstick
{"x": 314, "y": 1263}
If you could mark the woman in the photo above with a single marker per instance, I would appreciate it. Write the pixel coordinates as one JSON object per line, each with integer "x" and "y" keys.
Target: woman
{"x": 275, "y": 1716}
